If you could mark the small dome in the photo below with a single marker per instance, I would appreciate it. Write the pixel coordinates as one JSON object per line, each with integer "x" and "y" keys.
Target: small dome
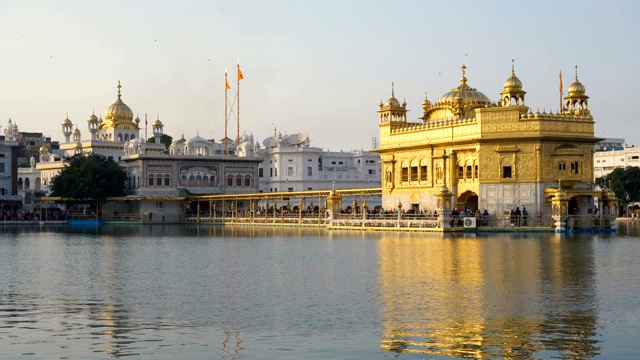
{"x": 92, "y": 118}
{"x": 197, "y": 139}
{"x": 182, "y": 140}
{"x": 393, "y": 102}
{"x": 67, "y": 121}
{"x": 512, "y": 83}
{"x": 157, "y": 123}
{"x": 44, "y": 148}
{"x": 76, "y": 132}
{"x": 576, "y": 88}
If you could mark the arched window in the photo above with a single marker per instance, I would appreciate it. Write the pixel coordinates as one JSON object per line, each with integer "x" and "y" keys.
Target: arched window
{"x": 247, "y": 181}
{"x": 239, "y": 181}
{"x": 574, "y": 167}
{"x": 150, "y": 182}
{"x": 159, "y": 180}
{"x": 119, "y": 137}
{"x": 230, "y": 180}
{"x": 167, "y": 180}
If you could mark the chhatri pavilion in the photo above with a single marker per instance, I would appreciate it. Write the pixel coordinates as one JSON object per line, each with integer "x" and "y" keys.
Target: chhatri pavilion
{"x": 469, "y": 152}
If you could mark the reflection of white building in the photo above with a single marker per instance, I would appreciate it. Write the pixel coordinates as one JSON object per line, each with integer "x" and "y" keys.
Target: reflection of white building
{"x": 291, "y": 164}
{"x": 615, "y": 155}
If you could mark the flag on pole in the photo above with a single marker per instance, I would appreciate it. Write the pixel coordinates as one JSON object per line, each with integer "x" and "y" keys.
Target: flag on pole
{"x": 560, "y": 78}
{"x": 226, "y": 82}
{"x": 240, "y": 77}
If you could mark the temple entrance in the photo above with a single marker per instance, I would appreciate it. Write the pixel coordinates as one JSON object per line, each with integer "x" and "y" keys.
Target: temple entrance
{"x": 469, "y": 200}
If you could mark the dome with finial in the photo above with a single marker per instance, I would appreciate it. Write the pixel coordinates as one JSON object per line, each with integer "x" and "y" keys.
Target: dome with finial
{"x": 92, "y": 118}
{"x": 67, "y": 121}
{"x": 464, "y": 94}
{"x": 576, "y": 88}
{"x": 512, "y": 83}
{"x": 393, "y": 102}
{"x": 76, "y": 132}
{"x": 119, "y": 112}
{"x": 426, "y": 103}
{"x": 157, "y": 122}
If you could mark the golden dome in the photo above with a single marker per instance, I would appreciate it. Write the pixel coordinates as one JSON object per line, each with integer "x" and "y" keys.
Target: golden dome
{"x": 393, "y": 102}
{"x": 576, "y": 88}
{"x": 512, "y": 83}
{"x": 119, "y": 112}
{"x": 76, "y": 132}
{"x": 92, "y": 118}
{"x": 468, "y": 95}
{"x": 67, "y": 121}
{"x": 426, "y": 103}
{"x": 157, "y": 123}
{"x": 44, "y": 148}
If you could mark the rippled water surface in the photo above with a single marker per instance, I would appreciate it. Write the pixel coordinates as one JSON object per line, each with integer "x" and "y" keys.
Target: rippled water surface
{"x": 204, "y": 292}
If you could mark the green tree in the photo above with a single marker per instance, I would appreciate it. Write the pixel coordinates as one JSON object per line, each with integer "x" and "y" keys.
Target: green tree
{"x": 90, "y": 177}
{"x": 625, "y": 183}
{"x": 164, "y": 139}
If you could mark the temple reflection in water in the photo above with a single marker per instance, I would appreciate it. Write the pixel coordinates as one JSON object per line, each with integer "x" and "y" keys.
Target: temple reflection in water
{"x": 477, "y": 298}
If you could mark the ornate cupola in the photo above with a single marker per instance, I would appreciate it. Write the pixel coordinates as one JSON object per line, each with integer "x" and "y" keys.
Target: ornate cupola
{"x": 426, "y": 104}
{"x": 67, "y": 128}
{"x": 76, "y": 135}
{"x": 512, "y": 95}
{"x": 392, "y": 111}
{"x": 94, "y": 125}
{"x": 157, "y": 130}
{"x": 577, "y": 100}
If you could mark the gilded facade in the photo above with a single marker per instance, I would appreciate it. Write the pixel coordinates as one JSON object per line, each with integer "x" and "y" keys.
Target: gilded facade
{"x": 467, "y": 151}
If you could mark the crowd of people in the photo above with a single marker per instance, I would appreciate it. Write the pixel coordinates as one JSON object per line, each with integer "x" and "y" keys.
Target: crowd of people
{"x": 41, "y": 215}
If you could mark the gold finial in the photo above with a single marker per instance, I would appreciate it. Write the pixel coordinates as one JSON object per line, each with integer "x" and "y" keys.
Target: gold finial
{"x": 576, "y": 72}
{"x": 119, "y": 87}
{"x": 463, "y": 79}
{"x": 513, "y": 72}
{"x": 392, "y": 92}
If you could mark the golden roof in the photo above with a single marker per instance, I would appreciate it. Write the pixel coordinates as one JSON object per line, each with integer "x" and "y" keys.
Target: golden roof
{"x": 393, "y": 102}
{"x": 512, "y": 83}
{"x": 67, "y": 121}
{"x": 467, "y": 95}
{"x": 118, "y": 112}
{"x": 576, "y": 88}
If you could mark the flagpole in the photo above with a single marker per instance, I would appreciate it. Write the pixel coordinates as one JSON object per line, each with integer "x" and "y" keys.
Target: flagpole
{"x": 226, "y": 116}
{"x": 238, "y": 97}
{"x": 560, "y": 77}
{"x": 145, "y": 127}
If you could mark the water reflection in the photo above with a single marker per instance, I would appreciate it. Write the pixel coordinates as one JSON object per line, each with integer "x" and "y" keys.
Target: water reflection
{"x": 489, "y": 297}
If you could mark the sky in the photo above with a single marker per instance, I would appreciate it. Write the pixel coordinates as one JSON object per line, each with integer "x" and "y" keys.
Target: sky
{"x": 315, "y": 67}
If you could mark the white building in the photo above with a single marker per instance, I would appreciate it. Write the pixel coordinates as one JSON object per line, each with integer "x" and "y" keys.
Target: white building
{"x": 9, "y": 197}
{"x": 289, "y": 163}
{"x": 612, "y": 157}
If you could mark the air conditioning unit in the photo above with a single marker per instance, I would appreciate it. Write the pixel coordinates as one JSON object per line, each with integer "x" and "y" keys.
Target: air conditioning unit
{"x": 469, "y": 222}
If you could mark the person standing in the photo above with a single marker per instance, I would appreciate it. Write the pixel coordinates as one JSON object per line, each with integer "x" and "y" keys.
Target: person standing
{"x": 518, "y": 215}
{"x": 524, "y": 216}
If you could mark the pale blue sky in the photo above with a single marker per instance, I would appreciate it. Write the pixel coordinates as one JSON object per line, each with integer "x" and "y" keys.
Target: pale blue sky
{"x": 317, "y": 67}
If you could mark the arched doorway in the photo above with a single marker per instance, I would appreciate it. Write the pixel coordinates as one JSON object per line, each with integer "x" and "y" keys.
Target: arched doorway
{"x": 469, "y": 200}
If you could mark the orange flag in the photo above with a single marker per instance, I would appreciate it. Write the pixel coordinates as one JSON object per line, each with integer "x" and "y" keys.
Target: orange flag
{"x": 560, "y": 77}
{"x": 240, "y": 77}
{"x": 226, "y": 82}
